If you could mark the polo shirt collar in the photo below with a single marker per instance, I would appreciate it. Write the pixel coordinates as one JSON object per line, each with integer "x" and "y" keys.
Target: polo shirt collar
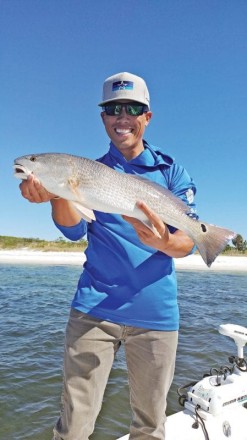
{"x": 150, "y": 157}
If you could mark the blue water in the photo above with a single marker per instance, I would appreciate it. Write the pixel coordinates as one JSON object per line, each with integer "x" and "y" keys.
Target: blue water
{"x": 31, "y": 341}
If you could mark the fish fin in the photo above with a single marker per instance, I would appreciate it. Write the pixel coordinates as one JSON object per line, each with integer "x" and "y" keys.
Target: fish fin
{"x": 212, "y": 241}
{"x": 74, "y": 186}
{"x": 73, "y": 183}
{"x": 86, "y": 213}
{"x": 151, "y": 227}
{"x": 147, "y": 222}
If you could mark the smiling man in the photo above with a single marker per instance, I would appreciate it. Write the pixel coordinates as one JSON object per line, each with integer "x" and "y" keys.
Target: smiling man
{"x": 125, "y": 124}
{"x": 127, "y": 293}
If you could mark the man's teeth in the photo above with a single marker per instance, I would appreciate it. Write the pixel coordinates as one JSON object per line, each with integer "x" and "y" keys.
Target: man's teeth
{"x": 123, "y": 131}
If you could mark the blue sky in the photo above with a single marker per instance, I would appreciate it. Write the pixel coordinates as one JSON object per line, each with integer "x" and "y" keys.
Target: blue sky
{"x": 55, "y": 55}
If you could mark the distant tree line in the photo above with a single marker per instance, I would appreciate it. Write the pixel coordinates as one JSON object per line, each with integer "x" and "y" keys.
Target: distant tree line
{"x": 60, "y": 244}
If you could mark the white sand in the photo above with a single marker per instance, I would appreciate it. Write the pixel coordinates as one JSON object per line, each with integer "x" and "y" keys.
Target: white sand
{"x": 222, "y": 262}
{"x": 193, "y": 262}
{"x": 25, "y": 256}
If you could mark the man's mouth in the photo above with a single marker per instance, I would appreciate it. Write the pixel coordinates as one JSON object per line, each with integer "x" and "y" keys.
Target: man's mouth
{"x": 123, "y": 131}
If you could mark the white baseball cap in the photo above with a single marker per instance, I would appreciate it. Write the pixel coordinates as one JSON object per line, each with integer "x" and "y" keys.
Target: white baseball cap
{"x": 125, "y": 86}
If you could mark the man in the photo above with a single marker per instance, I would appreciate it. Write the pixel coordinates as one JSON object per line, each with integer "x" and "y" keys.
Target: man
{"x": 127, "y": 292}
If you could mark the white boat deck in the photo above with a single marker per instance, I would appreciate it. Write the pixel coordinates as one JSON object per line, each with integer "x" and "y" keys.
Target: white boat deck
{"x": 230, "y": 424}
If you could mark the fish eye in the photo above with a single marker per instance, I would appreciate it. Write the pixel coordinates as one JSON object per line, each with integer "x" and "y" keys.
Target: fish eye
{"x": 33, "y": 158}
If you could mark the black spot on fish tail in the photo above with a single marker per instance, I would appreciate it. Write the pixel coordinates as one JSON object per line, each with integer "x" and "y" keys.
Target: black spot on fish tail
{"x": 203, "y": 227}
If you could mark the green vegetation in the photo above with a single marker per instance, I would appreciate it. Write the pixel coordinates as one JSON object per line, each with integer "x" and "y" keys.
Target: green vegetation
{"x": 240, "y": 243}
{"x": 59, "y": 245}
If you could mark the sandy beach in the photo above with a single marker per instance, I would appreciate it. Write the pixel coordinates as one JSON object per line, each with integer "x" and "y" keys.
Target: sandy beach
{"x": 192, "y": 262}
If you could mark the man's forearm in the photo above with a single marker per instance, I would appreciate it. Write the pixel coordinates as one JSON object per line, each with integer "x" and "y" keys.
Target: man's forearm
{"x": 64, "y": 213}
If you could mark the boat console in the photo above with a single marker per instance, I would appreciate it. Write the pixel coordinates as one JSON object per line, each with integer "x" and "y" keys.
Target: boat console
{"x": 227, "y": 388}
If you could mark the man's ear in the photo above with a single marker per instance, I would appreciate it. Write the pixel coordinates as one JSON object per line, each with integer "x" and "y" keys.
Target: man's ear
{"x": 148, "y": 117}
{"x": 102, "y": 114}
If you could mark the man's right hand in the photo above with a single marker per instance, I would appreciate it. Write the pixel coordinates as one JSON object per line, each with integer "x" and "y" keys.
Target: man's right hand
{"x": 32, "y": 190}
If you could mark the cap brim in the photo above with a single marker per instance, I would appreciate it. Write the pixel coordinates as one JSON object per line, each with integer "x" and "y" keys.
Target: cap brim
{"x": 121, "y": 99}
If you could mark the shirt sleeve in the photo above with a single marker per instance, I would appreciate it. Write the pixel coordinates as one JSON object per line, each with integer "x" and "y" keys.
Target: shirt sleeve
{"x": 75, "y": 232}
{"x": 183, "y": 186}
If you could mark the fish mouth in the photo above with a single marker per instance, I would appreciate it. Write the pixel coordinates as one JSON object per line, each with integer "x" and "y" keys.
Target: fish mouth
{"x": 20, "y": 171}
{"x": 19, "y": 168}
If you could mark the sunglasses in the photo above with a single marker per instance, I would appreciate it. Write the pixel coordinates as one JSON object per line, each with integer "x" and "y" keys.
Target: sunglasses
{"x": 134, "y": 109}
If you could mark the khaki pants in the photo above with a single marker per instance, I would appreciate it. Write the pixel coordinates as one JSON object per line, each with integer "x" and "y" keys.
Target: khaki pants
{"x": 90, "y": 347}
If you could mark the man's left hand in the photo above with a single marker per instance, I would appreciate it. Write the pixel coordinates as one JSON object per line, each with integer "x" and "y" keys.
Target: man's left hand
{"x": 157, "y": 240}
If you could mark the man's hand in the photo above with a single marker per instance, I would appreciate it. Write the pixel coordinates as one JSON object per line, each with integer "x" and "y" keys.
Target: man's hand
{"x": 32, "y": 190}
{"x": 63, "y": 211}
{"x": 147, "y": 236}
{"x": 175, "y": 245}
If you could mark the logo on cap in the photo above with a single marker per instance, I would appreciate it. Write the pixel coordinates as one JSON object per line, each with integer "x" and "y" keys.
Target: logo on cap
{"x": 122, "y": 85}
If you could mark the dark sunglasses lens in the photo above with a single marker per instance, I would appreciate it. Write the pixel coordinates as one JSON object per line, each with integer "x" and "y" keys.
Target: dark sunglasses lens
{"x": 134, "y": 110}
{"x": 131, "y": 109}
{"x": 113, "y": 110}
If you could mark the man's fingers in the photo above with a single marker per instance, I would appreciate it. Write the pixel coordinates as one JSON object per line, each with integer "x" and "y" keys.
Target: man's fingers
{"x": 151, "y": 215}
{"x": 32, "y": 190}
{"x": 154, "y": 219}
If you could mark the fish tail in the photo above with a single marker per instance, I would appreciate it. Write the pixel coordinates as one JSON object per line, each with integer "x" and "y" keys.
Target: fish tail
{"x": 211, "y": 241}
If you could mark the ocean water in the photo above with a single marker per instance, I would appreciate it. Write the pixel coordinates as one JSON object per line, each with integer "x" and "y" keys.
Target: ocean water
{"x": 32, "y": 334}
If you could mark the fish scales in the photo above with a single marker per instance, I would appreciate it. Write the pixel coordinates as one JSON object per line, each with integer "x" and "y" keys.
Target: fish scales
{"x": 91, "y": 185}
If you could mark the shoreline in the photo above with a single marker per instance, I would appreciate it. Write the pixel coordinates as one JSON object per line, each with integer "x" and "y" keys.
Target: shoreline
{"x": 192, "y": 262}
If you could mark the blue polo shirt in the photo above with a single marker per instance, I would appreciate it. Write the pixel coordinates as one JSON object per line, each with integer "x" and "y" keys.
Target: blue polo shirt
{"x": 123, "y": 280}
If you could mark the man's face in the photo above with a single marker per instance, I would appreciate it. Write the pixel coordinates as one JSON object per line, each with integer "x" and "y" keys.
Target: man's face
{"x": 126, "y": 131}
